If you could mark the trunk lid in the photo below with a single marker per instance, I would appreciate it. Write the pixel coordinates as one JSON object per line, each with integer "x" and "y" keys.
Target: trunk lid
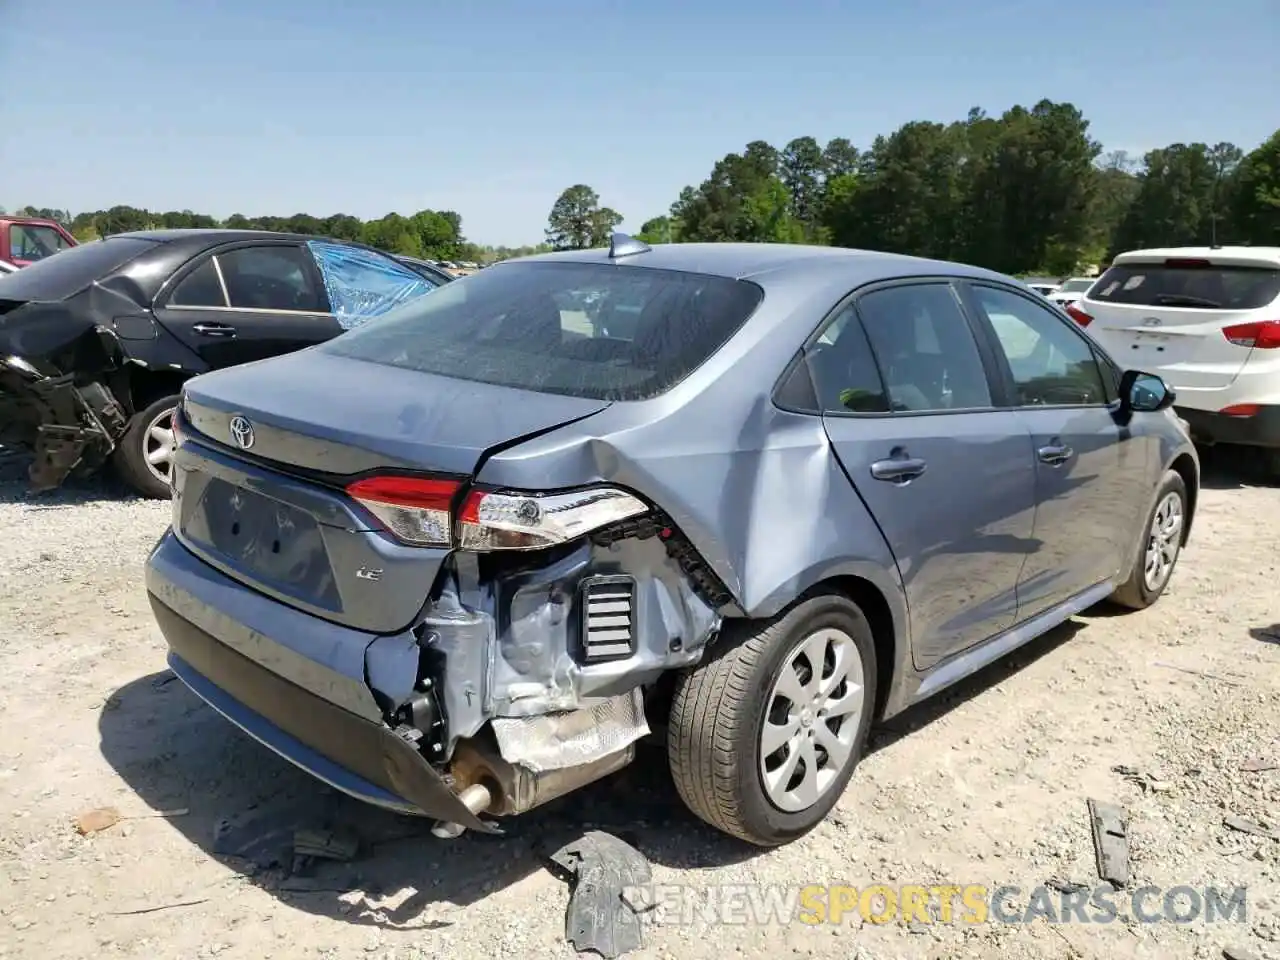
{"x": 274, "y": 516}
{"x": 1166, "y": 315}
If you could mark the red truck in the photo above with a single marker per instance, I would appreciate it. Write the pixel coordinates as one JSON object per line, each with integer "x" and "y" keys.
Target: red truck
{"x": 24, "y": 240}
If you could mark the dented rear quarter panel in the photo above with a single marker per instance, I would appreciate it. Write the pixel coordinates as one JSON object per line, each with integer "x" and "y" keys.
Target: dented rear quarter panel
{"x": 756, "y": 489}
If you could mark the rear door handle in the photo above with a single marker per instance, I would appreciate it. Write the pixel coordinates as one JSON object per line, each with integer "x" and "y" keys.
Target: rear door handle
{"x": 898, "y": 469}
{"x": 214, "y": 330}
{"x": 1055, "y": 454}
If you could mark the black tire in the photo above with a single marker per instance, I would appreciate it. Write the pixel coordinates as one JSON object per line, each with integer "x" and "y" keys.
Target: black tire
{"x": 718, "y": 711}
{"x": 130, "y": 454}
{"x": 1135, "y": 593}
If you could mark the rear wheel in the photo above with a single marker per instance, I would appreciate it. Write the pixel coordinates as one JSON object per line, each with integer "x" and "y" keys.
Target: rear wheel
{"x": 1161, "y": 547}
{"x": 764, "y": 737}
{"x": 144, "y": 454}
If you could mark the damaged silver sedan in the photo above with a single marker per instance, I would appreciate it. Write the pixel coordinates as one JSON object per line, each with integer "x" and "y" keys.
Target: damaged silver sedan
{"x": 458, "y": 561}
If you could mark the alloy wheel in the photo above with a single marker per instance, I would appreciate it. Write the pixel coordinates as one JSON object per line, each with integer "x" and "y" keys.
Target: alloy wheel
{"x": 158, "y": 445}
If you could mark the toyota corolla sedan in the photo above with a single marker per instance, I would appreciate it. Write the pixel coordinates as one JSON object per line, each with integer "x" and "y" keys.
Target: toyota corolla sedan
{"x": 458, "y": 561}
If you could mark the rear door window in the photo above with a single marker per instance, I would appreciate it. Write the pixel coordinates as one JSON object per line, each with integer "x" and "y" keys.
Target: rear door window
{"x": 602, "y": 331}
{"x": 275, "y": 277}
{"x": 1188, "y": 283}
{"x": 56, "y": 278}
{"x": 925, "y": 347}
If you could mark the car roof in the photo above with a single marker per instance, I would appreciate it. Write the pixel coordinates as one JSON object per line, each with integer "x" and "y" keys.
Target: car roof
{"x": 1226, "y": 256}
{"x": 742, "y": 261}
{"x": 216, "y": 235}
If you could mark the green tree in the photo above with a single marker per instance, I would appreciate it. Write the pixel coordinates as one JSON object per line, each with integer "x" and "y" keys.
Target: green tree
{"x": 1256, "y": 195}
{"x": 578, "y": 222}
{"x": 803, "y": 172}
{"x": 1182, "y": 197}
{"x": 659, "y": 230}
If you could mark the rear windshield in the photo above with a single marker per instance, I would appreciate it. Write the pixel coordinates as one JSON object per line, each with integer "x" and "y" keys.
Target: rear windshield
{"x": 593, "y": 330}
{"x": 1210, "y": 287}
{"x": 66, "y": 273}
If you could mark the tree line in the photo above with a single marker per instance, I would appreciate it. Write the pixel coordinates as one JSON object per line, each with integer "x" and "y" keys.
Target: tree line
{"x": 1026, "y": 192}
{"x": 433, "y": 234}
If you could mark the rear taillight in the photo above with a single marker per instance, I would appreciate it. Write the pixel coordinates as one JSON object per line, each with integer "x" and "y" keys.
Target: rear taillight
{"x": 1241, "y": 410}
{"x": 420, "y": 512}
{"x": 518, "y": 521}
{"x": 415, "y": 510}
{"x": 1264, "y": 335}
{"x": 1078, "y": 315}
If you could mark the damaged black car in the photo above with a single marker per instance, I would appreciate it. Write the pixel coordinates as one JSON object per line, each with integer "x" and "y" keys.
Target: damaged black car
{"x": 97, "y": 341}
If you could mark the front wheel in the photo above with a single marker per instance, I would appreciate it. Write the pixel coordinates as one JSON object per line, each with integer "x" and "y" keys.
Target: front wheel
{"x": 764, "y": 737}
{"x": 144, "y": 454}
{"x": 1161, "y": 546}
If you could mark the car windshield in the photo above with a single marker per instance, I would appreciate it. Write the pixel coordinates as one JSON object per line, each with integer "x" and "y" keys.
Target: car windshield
{"x": 1189, "y": 284}
{"x": 601, "y": 331}
{"x": 68, "y": 272}
{"x": 1076, "y": 286}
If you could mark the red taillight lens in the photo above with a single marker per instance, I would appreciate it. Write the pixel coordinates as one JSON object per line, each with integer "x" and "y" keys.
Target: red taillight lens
{"x": 1241, "y": 410}
{"x": 518, "y": 521}
{"x": 1264, "y": 335}
{"x": 419, "y": 512}
{"x": 415, "y": 510}
{"x": 1078, "y": 315}
{"x": 1187, "y": 263}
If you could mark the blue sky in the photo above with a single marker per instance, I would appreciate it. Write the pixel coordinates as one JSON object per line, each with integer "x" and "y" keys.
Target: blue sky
{"x": 492, "y": 108}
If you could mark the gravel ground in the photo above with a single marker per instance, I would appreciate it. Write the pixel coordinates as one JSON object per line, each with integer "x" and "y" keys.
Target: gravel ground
{"x": 989, "y": 785}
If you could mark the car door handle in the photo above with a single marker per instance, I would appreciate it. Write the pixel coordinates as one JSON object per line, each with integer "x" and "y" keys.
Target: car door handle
{"x": 898, "y": 469}
{"x": 1055, "y": 454}
{"x": 214, "y": 330}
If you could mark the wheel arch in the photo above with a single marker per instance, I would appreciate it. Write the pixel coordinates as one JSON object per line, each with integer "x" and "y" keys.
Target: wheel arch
{"x": 882, "y": 602}
{"x": 1184, "y": 464}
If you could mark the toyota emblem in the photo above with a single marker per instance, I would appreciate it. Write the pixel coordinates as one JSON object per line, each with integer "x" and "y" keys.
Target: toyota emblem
{"x": 242, "y": 432}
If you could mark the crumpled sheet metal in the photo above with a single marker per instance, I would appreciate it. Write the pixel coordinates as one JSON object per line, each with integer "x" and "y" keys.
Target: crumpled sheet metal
{"x": 362, "y": 284}
{"x": 599, "y": 917}
{"x": 556, "y": 741}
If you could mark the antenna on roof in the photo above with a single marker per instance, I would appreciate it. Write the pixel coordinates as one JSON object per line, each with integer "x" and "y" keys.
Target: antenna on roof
{"x": 621, "y": 245}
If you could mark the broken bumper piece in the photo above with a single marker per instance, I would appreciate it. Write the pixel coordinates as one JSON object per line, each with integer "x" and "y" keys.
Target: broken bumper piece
{"x": 357, "y": 756}
{"x": 66, "y": 427}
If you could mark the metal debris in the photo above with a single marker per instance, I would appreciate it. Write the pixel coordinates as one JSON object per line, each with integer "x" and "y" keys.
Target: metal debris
{"x": 599, "y": 918}
{"x": 1244, "y": 825}
{"x": 1259, "y": 765}
{"x": 95, "y": 821}
{"x": 1110, "y": 842}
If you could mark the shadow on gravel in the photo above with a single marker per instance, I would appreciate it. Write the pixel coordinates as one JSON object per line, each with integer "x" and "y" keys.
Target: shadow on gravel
{"x": 175, "y": 752}
{"x": 14, "y": 487}
{"x": 1232, "y": 468}
{"x": 923, "y": 714}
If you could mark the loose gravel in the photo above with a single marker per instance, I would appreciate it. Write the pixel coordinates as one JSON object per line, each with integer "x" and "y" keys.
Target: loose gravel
{"x": 1171, "y": 713}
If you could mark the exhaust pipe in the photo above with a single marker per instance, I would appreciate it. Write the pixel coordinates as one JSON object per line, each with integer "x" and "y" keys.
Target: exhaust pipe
{"x": 475, "y": 798}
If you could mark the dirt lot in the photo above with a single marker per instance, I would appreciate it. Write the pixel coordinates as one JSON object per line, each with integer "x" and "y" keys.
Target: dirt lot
{"x": 988, "y": 786}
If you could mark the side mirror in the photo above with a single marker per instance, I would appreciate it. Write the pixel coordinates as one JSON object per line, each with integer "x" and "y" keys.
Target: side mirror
{"x": 1144, "y": 393}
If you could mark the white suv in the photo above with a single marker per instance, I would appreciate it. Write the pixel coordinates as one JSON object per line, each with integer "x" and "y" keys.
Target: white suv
{"x": 1207, "y": 320}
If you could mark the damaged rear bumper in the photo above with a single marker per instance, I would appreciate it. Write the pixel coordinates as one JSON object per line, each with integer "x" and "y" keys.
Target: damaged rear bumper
{"x": 359, "y": 757}
{"x": 333, "y": 700}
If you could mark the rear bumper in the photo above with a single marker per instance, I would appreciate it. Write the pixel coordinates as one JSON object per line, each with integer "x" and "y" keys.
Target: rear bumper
{"x": 1260, "y": 430}
{"x": 355, "y": 754}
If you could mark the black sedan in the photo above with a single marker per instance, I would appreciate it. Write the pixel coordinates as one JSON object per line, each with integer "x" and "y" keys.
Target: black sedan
{"x": 96, "y": 342}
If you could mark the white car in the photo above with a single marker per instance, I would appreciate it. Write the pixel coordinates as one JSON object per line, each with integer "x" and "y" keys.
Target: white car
{"x": 1069, "y": 291}
{"x": 1044, "y": 289}
{"x": 1207, "y": 320}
